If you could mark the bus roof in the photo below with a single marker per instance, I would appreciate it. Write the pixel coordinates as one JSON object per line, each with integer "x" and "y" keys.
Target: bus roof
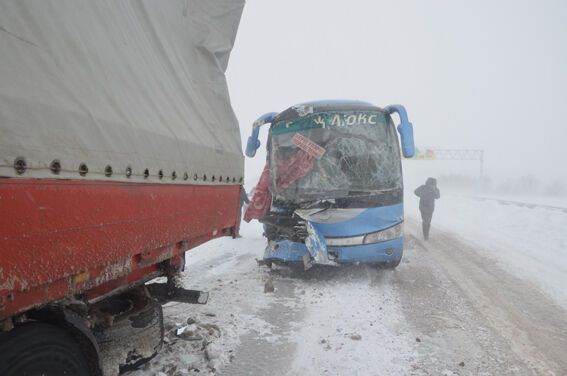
{"x": 324, "y": 106}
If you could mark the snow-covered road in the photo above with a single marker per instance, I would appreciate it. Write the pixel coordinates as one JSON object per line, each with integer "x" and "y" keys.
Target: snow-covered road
{"x": 450, "y": 308}
{"x": 529, "y": 242}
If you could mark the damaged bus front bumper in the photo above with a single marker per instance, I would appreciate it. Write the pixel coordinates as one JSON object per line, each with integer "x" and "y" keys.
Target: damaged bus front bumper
{"x": 288, "y": 252}
{"x": 341, "y": 236}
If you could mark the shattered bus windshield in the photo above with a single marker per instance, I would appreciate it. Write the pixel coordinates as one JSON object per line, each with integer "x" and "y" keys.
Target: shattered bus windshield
{"x": 334, "y": 155}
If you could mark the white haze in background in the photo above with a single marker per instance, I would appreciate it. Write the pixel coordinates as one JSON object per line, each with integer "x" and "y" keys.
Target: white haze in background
{"x": 485, "y": 74}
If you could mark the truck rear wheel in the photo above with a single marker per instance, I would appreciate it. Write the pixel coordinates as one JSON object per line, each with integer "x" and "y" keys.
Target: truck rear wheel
{"x": 38, "y": 349}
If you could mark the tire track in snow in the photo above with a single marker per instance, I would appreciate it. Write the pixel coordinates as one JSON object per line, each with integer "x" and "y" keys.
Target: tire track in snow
{"x": 329, "y": 321}
{"x": 533, "y": 326}
{"x": 269, "y": 352}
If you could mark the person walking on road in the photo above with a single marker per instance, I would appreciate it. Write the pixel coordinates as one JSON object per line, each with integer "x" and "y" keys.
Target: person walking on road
{"x": 427, "y": 194}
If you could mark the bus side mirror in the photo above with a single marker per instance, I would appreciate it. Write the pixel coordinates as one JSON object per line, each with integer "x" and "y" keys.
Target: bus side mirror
{"x": 405, "y": 129}
{"x": 253, "y": 143}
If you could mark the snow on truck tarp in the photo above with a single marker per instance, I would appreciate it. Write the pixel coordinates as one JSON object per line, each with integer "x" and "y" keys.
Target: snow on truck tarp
{"x": 118, "y": 87}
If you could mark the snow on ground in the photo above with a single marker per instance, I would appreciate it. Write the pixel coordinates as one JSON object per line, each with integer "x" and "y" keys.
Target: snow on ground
{"x": 529, "y": 242}
{"x": 226, "y": 269}
{"x": 553, "y": 201}
{"x": 352, "y": 326}
{"x": 350, "y": 320}
{"x": 328, "y": 322}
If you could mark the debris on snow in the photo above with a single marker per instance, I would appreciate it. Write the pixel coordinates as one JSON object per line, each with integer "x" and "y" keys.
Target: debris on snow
{"x": 212, "y": 329}
{"x": 190, "y": 336}
{"x": 449, "y": 373}
{"x": 269, "y": 286}
{"x": 213, "y": 351}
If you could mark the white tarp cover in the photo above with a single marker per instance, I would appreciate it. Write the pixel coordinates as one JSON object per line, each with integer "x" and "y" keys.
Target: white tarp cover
{"x": 119, "y": 83}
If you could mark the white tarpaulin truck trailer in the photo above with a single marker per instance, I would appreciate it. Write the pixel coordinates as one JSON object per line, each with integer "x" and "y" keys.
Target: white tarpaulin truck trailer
{"x": 119, "y": 151}
{"x": 136, "y": 84}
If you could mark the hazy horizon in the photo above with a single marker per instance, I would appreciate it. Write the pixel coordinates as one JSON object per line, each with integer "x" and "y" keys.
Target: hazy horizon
{"x": 472, "y": 75}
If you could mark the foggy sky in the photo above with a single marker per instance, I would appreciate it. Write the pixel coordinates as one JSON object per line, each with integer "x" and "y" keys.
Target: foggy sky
{"x": 486, "y": 75}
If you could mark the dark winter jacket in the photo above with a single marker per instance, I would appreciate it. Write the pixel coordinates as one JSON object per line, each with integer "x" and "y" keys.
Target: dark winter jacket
{"x": 427, "y": 194}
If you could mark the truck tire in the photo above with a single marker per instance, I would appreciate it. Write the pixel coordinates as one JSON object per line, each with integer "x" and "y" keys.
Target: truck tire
{"x": 38, "y": 349}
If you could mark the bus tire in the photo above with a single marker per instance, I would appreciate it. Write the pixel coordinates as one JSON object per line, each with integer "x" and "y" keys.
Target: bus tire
{"x": 40, "y": 349}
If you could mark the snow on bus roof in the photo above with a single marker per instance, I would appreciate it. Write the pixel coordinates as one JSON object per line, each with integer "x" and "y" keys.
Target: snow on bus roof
{"x": 306, "y": 108}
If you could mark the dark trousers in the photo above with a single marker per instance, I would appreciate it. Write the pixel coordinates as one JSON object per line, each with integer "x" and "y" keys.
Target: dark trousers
{"x": 426, "y": 216}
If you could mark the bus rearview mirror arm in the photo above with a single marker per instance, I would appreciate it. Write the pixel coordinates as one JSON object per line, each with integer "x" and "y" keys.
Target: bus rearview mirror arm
{"x": 253, "y": 143}
{"x": 405, "y": 129}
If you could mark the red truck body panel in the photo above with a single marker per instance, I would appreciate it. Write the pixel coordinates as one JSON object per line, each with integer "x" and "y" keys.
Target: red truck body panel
{"x": 59, "y": 238}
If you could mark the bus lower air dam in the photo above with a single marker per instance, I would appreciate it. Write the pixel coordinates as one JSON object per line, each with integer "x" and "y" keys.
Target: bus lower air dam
{"x": 332, "y": 191}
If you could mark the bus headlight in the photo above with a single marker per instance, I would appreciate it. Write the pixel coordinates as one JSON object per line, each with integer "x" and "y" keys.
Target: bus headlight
{"x": 375, "y": 237}
{"x": 385, "y": 235}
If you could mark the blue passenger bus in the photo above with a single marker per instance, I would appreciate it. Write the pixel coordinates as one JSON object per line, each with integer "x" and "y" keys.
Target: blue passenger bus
{"x": 335, "y": 181}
